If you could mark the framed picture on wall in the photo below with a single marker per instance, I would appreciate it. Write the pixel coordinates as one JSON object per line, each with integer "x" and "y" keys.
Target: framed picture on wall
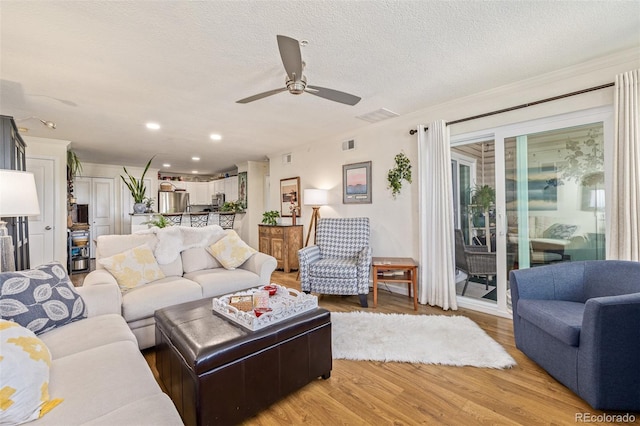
{"x": 289, "y": 196}
{"x": 356, "y": 183}
{"x": 242, "y": 189}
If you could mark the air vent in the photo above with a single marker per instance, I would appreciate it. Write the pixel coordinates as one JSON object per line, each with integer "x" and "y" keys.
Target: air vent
{"x": 286, "y": 158}
{"x": 349, "y": 145}
{"x": 378, "y": 115}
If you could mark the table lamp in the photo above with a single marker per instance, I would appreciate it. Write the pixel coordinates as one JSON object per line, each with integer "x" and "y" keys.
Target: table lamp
{"x": 18, "y": 197}
{"x": 315, "y": 198}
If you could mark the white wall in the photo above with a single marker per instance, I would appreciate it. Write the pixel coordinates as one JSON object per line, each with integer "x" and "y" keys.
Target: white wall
{"x": 394, "y": 223}
{"x": 57, "y": 150}
{"x": 256, "y": 172}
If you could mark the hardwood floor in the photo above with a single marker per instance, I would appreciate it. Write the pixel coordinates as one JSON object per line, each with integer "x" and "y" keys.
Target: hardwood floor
{"x": 373, "y": 393}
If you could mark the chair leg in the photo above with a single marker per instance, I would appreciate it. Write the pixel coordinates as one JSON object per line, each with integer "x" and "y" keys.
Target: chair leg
{"x": 466, "y": 283}
{"x": 363, "y": 300}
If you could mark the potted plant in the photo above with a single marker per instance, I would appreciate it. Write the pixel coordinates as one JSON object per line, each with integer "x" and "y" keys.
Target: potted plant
{"x": 137, "y": 188}
{"x": 160, "y": 221}
{"x": 482, "y": 198}
{"x": 269, "y": 217}
{"x": 232, "y": 206}
{"x": 402, "y": 171}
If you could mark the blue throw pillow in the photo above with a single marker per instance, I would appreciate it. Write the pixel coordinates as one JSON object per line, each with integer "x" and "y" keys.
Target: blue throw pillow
{"x": 40, "y": 299}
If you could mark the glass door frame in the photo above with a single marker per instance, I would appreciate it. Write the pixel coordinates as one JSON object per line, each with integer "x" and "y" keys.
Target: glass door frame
{"x": 498, "y": 135}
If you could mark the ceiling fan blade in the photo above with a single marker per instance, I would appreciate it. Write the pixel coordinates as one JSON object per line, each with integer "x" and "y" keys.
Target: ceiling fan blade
{"x": 333, "y": 95}
{"x": 291, "y": 56}
{"x": 260, "y": 96}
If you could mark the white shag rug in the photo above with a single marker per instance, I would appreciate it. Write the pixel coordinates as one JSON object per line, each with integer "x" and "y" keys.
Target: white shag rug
{"x": 425, "y": 339}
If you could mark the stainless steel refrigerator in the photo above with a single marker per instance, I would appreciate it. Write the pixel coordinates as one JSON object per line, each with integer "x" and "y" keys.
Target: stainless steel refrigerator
{"x": 173, "y": 202}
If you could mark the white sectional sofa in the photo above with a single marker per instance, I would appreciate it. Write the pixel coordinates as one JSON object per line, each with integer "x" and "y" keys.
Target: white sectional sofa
{"x": 98, "y": 371}
{"x": 191, "y": 273}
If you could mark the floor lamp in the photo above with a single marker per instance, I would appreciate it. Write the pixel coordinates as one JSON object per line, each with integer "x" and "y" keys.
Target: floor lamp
{"x": 315, "y": 198}
{"x": 18, "y": 197}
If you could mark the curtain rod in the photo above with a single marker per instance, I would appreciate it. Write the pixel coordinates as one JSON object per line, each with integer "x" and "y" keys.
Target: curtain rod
{"x": 541, "y": 101}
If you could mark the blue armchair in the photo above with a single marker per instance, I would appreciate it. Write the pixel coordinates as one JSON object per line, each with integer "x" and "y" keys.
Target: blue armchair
{"x": 340, "y": 262}
{"x": 580, "y": 321}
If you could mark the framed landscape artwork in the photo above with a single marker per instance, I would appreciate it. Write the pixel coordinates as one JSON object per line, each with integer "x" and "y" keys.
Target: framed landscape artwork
{"x": 289, "y": 195}
{"x": 242, "y": 189}
{"x": 356, "y": 183}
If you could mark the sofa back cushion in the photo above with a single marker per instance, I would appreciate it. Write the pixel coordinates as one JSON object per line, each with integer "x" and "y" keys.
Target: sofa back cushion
{"x": 611, "y": 278}
{"x": 110, "y": 245}
{"x": 197, "y": 259}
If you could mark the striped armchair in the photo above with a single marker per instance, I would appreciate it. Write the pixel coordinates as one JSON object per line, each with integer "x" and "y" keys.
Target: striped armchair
{"x": 340, "y": 261}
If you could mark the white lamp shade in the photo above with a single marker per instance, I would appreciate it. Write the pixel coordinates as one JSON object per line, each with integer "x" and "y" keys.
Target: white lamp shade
{"x": 315, "y": 197}
{"x": 18, "y": 195}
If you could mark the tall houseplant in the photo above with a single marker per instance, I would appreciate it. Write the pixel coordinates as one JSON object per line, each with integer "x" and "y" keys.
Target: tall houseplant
{"x": 137, "y": 188}
{"x": 482, "y": 198}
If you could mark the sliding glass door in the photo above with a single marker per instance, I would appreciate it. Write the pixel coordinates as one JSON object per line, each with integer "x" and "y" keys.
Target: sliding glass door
{"x": 549, "y": 180}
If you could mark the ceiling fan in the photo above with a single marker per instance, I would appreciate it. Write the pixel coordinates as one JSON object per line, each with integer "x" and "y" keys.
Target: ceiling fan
{"x": 295, "y": 82}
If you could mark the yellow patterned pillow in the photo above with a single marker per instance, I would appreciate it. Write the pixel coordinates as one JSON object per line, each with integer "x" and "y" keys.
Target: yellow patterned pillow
{"x": 24, "y": 375}
{"x": 231, "y": 251}
{"x": 133, "y": 268}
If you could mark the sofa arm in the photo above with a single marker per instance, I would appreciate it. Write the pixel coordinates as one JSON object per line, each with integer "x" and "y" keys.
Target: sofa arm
{"x": 101, "y": 299}
{"x": 262, "y": 265}
{"x": 609, "y": 348}
{"x": 306, "y": 257}
{"x": 99, "y": 276}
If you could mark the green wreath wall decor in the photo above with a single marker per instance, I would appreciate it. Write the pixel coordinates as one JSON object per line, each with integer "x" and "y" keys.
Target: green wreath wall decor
{"x": 402, "y": 171}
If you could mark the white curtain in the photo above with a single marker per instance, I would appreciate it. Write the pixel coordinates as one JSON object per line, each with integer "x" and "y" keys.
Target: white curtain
{"x": 437, "y": 264}
{"x": 624, "y": 240}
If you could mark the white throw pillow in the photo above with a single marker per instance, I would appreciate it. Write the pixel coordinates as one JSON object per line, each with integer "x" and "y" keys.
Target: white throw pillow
{"x": 133, "y": 268}
{"x": 197, "y": 259}
{"x": 231, "y": 251}
{"x": 24, "y": 375}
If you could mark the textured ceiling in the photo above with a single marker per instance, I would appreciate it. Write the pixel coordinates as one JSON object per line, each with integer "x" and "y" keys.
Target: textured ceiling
{"x": 101, "y": 70}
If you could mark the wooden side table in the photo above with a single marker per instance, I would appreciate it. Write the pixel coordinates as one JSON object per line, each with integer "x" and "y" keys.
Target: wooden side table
{"x": 406, "y": 265}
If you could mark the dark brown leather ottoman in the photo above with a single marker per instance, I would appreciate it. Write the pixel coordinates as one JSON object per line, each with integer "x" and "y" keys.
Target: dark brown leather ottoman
{"x": 217, "y": 372}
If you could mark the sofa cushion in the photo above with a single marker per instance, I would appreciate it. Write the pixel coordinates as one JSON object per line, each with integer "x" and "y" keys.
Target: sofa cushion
{"x": 231, "y": 251}
{"x": 154, "y": 410}
{"x": 81, "y": 335}
{"x": 133, "y": 268}
{"x": 561, "y": 319}
{"x": 109, "y": 245}
{"x": 219, "y": 281}
{"x": 24, "y": 375}
{"x": 334, "y": 268}
{"x": 143, "y": 301}
{"x": 41, "y": 298}
{"x": 98, "y": 381}
{"x": 197, "y": 259}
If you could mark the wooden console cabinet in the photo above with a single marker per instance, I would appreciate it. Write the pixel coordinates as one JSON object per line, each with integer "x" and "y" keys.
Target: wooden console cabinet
{"x": 281, "y": 242}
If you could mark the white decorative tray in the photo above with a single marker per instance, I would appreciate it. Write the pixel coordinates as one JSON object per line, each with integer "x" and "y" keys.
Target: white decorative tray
{"x": 286, "y": 303}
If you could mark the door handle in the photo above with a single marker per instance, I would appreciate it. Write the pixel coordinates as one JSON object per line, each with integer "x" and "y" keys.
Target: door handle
{"x": 47, "y": 228}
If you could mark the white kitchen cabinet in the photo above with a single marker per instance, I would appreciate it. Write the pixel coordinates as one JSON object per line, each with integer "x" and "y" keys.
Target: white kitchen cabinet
{"x": 179, "y": 184}
{"x": 198, "y": 193}
{"x": 231, "y": 188}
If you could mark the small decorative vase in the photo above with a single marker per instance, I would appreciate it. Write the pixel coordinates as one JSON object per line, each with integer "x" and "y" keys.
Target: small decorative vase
{"x": 139, "y": 207}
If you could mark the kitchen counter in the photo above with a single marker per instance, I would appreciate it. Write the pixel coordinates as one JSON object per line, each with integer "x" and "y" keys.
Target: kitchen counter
{"x": 138, "y": 220}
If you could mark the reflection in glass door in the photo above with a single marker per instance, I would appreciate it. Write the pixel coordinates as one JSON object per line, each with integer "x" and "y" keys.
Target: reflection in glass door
{"x": 554, "y": 196}
{"x": 473, "y": 173}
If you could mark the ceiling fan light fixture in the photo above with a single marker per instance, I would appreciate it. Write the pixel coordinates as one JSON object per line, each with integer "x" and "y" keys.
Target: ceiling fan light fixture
{"x": 297, "y": 87}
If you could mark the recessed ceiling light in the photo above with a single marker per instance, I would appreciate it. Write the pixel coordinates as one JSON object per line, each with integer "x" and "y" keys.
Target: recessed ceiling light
{"x": 195, "y": 158}
{"x": 215, "y": 137}
{"x": 195, "y": 172}
{"x": 166, "y": 165}
{"x": 153, "y": 126}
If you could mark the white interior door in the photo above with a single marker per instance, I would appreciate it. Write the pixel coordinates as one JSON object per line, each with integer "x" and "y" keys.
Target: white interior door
{"x": 101, "y": 209}
{"x": 99, "y": 194}
{"x": 41, "y": 228}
